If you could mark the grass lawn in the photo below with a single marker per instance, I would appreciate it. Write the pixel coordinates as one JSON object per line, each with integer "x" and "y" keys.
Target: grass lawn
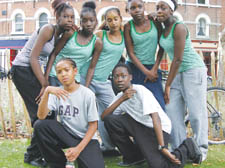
{"x": 11, "y": 156}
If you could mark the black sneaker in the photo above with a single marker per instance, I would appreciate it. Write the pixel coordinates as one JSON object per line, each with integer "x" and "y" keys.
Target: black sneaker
{"x": 111, "y": 153}
{"x": 194, "y": 153}
{"x": 130, "y": 163}
{"x": 38, "y": 162}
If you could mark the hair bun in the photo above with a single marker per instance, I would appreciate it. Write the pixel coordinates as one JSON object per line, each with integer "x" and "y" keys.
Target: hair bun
{"x": 89, "y": 4}
{"x": 57, "y": 3}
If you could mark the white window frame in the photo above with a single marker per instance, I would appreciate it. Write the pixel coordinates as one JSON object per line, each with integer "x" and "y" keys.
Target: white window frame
{"x": 208, "y": 22}
{"x": 14, "y": 13}
{"x": 206, "y": 3}
{"x": 38, "y": 13}
{"x": 43, "y": 20}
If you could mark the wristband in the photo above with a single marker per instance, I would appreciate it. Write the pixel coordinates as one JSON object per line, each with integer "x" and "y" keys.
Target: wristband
{"x": 161, "y": 147}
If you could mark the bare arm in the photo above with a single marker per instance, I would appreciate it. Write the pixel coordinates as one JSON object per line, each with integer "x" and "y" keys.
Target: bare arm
{"x": 180, "y": 33}
{"x": 161, "y": 50}
{"x": 59, "y": 46}
{"x": 111, "y": 108}
{"x": 44, "y": 35}
{"x": 43, "y": 105}
{"x": 158, "y": 128}
{"x": 159, "y": 135}
{"x": 159, "y": 58}
{"x": 126, "y": 95}
{"x": 73, "y": 152}
{"x": 99, "y": 34}
{"x": 94, "y": 60}
{"x": 153, "y": 73}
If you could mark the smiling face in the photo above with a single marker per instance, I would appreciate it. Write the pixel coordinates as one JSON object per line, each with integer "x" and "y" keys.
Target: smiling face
{"x": 164, "y": 12}
{"x": 88, "y": 22}
{"x": 65, "y": 72}
{"x": 122, "y": 78}
{"x": 136, "y": 9}
{"x": 66, "y": 19}
{"x": 113, "y": 20}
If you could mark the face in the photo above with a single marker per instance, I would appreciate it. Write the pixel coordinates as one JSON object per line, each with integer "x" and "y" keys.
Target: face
{"x": 66, "y": 19}
{"x": 88, "y": 22}
{"x": 122, "y": 78}
{"x": 136, "y": 9}
{"x": 65, "y": 72}
{"x": 113, "y": 20}
{"x": 163, "y": 11}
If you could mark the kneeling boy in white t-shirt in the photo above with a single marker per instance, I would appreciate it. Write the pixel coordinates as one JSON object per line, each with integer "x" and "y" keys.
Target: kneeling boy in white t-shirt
{"x": 136, "y": 113}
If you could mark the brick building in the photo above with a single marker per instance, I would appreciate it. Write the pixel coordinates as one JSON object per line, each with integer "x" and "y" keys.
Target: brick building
{"x": 19, "y": 18}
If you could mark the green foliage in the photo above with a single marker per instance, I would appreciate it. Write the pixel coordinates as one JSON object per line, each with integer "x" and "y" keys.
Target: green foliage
{"x": 12, "y": 151}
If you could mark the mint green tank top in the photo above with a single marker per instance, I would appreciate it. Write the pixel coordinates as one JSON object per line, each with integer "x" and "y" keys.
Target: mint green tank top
{"x": 109, "y": 57}
{"x": 190, "y": 58}
{"x": 145, "y": 44}
{"x": 77, "y": 52}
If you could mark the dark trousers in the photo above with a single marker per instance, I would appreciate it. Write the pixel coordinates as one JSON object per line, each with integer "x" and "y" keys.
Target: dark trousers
{"x": 53, "y": 81}
{"x": 53, "y": 137}
{"x": 121, "y": 127}
{"x": 29, "y": 87}
{"x": 155, "y": 87}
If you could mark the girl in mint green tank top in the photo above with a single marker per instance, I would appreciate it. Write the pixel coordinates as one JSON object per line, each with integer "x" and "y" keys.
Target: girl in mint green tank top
{"x": 141, "y": 39}
{"x": 176, "y": 42}
{"x": 78, "y": 52}
{"x": 113, "y": 46}
{"x": 109, "y": 57}
{"x": 79, "y": 45}
{"x": 186, "y": 86}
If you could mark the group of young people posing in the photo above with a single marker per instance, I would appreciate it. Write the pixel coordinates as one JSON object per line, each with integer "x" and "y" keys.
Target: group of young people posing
{"x": 73, "y": 97}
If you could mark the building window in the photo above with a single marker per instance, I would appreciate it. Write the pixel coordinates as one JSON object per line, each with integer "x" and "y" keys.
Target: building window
{"x": 43, "y": 19}
{"x": 201, "y": 27}
{"x": 201, "y": 2}
{"x": 18, "y": 23}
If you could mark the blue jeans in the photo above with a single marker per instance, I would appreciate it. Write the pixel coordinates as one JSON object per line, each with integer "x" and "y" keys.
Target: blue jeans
{"x": 155, "y": 87}
{"x": 104, "y": 97}
{"x": 188, "y": 91}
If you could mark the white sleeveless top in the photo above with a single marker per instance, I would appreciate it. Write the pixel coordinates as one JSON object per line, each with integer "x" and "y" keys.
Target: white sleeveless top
{"x": 23, "y": 57}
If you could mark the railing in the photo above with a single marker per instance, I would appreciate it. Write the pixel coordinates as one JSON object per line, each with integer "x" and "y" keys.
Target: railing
{"x": 14, "y": 118}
